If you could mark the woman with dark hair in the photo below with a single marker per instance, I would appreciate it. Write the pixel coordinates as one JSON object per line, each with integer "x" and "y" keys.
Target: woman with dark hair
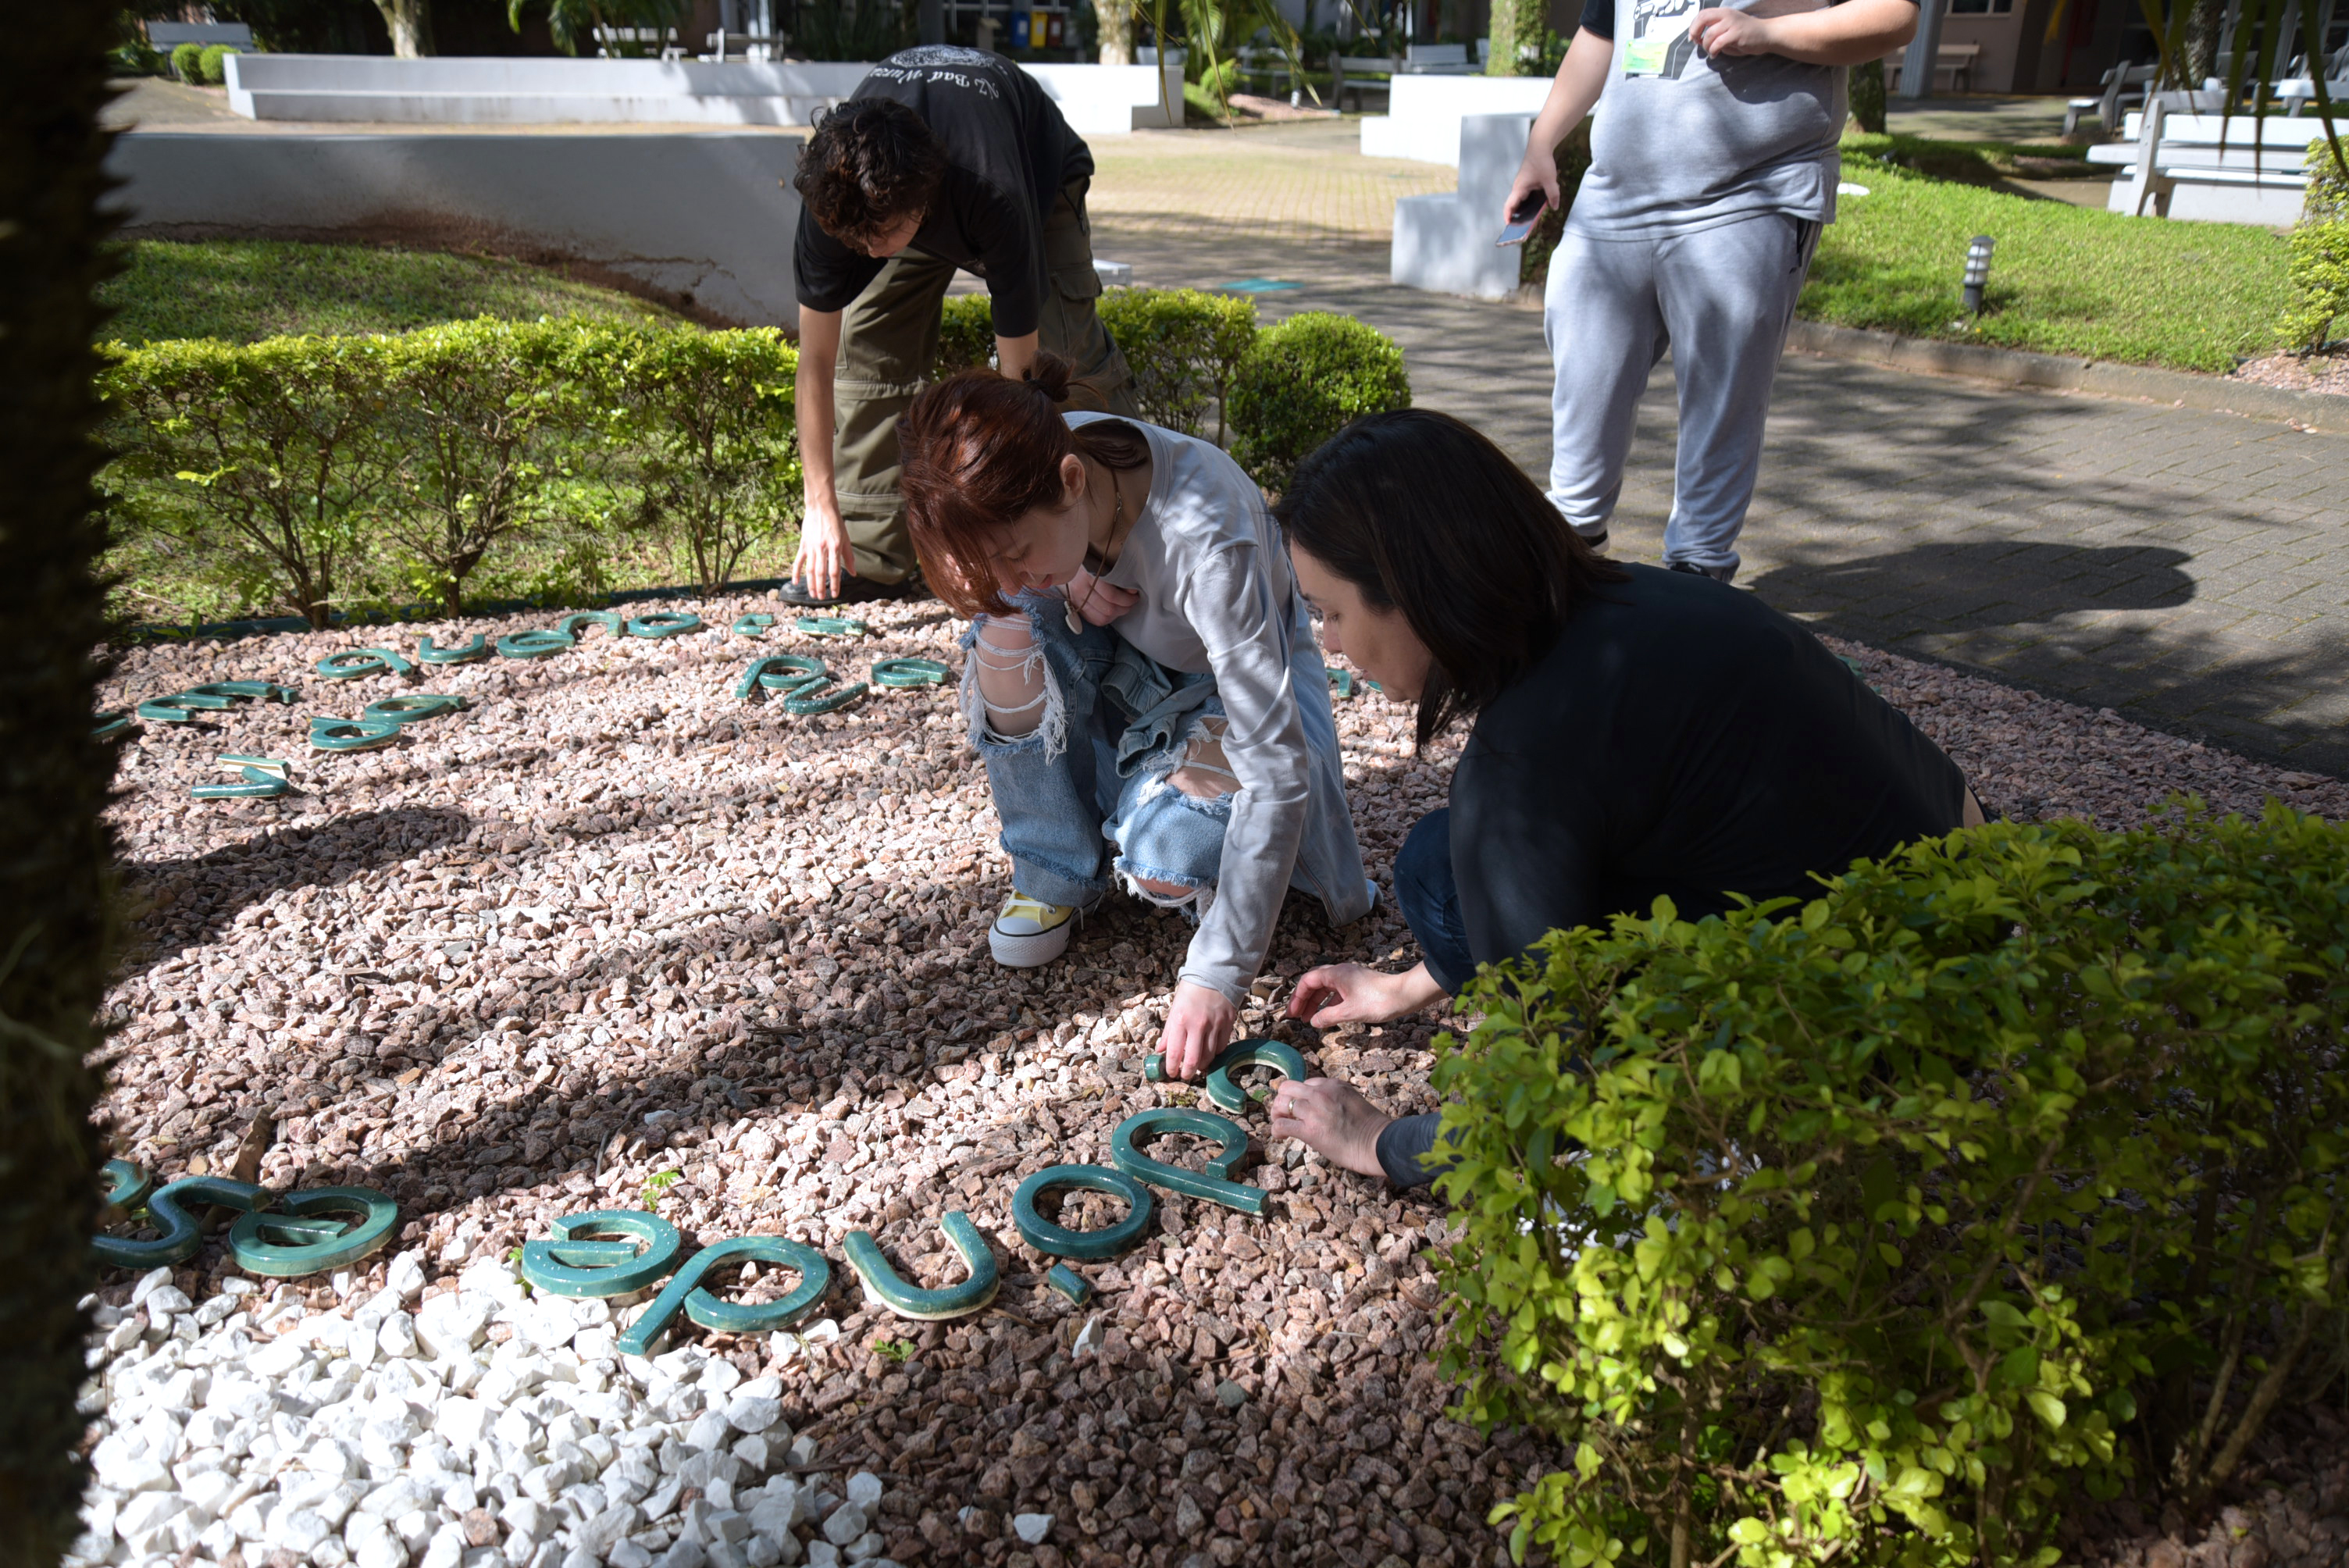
{"x": 1637, "y": 733}
{"x": 1142, "y": 680}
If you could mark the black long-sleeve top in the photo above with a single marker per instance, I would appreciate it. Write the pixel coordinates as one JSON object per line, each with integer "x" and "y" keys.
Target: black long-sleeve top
{"x": 1684, "y": 739}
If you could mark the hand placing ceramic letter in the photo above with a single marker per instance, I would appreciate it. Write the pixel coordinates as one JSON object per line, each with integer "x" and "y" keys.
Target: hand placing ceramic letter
{"x": 1333, "y": 1120}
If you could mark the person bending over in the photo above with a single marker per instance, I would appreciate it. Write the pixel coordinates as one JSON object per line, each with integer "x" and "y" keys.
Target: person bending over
{"x": 1636, "y": 733}
{"x": 944, "y": 158}
{"x": 1141, "y": 680}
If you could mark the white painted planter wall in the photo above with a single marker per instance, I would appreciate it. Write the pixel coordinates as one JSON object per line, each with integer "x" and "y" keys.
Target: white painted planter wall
{"x": 1424, "y": 114}
{"x": 708, "y": 215}
{"x": 1098, "y": 101}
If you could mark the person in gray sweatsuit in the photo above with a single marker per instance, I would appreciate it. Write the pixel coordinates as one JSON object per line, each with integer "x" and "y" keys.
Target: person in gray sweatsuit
{"x": 1713, "y": 168}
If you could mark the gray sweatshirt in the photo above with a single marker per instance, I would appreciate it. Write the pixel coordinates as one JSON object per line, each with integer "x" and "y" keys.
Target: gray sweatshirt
{"x": 1681, "y": 141}
{"x": 1217, "y": 596}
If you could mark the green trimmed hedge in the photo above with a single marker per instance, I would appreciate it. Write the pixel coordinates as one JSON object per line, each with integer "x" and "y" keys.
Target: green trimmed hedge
{"x": 187, "y": 62}
{"x": 2007, "y": 1174}
{"x": 310, "y": 473}
{"x": 1276, "y": 392}
{"x": 208, "y": 66}
{"x": 1305, "y": 380}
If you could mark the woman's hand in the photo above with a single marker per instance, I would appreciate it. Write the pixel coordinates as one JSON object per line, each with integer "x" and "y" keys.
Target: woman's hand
{"x": 1097, "y": 602}
{"x": 1200, "y": 1025}
{"x": 1355, "y": 994}
{"x": 1719, "y": 31}
{"x": 1333, "y": 1120}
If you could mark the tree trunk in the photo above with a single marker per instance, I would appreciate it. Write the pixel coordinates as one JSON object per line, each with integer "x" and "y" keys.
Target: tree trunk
{"x": 1116, "y": 19}
{"x": 54, "y": 777}
{"x": 410, "y": 22}
{"x": 2205, "y": 21}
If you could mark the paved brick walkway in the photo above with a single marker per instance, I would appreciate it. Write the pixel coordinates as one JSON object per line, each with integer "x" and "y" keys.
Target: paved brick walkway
{"x": 2187, "y": 569}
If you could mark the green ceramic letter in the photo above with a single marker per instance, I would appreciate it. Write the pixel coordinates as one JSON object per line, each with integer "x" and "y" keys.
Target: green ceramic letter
{"x": 575, "y": 1263}
{"x": 1215, "y": 1184}
{"x": 314, "y": 1231}
{"x": 882, "y": 1286}
{"x": 1063, "y": 1242}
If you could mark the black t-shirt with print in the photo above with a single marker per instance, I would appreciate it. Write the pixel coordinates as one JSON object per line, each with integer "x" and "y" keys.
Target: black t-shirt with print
{"x": 1009, "y": 153}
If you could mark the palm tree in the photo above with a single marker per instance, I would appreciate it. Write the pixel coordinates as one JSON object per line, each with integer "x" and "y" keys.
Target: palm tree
{"x": 54, "y": 775}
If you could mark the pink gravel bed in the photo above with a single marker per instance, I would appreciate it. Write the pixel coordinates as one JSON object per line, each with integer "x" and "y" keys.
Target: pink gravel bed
{"x": 610, "y": 923}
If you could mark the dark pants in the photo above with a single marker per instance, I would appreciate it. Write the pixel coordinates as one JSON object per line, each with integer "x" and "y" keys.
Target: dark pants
{"x": 889, "y": 345}
{"x": 1430, "y": 900}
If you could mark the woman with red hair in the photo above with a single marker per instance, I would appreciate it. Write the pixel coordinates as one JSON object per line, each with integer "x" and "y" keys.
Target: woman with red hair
{"x": 1142, "y": 680}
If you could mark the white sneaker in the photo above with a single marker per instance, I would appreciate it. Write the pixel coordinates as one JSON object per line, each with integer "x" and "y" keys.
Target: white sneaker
{"x": 1028, "y": 932}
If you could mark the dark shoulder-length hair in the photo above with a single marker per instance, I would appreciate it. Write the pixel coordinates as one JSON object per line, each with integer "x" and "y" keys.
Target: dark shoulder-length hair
{"x": 979, "y": 451}
{"x": 1424, "y": 515}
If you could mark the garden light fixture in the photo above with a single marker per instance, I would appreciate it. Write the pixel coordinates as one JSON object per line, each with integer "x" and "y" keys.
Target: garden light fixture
{"x": 1977, "y": 271}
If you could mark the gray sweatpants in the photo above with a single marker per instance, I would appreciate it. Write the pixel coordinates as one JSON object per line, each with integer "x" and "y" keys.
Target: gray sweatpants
{"x": 1724, "y": 295}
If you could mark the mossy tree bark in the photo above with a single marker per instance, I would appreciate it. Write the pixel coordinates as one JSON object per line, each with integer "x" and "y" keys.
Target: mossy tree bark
{"x": 54, "y": 777}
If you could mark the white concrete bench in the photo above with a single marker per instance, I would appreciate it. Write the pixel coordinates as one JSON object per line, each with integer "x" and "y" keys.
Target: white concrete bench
{"x": 1952, "y": 60}
{"x": 2208, "y": 168}
{"x": 2299, "y": 93}
{"x": 1448, "y": 243}
{"x": 2123, "y": 86}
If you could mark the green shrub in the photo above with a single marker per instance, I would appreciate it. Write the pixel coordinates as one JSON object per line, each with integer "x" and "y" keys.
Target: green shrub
{"x": 2327, "y": 200}
{"x": 2320, "y": 283}
{"x": 258, "y": 468}
{"x": 187, "y": 62}
{"x": 2006, "y": 1172}
{"x": 484, "y": 417}
{"x": 1183, "y": 348}
{"x": 137, "y": 57}
{"x": 966, "y": 334}
{"x": 712, "y": 423}
{"x": 208, "y": 63}
{"x": 1302, "y": 382}
{"x": 1867, "y": 96}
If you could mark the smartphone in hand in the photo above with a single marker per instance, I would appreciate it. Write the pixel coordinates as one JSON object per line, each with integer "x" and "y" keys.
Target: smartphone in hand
{"x": 1521, "y": 222}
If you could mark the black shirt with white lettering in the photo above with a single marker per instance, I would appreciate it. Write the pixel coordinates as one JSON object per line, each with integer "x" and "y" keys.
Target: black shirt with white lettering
{"x": 1008, "y": 154}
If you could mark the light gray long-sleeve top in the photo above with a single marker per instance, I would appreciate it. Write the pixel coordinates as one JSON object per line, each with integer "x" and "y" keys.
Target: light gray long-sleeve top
{"x": 1217, "y": 596}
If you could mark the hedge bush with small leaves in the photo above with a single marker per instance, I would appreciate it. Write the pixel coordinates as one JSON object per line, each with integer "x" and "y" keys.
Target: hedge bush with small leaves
{"x": 188, "y": 62}
{"x": 1305, "y": 380}
{"x": 2319, "y": 254}
{"x": 308, "y": 474}
{"x": 208, "y": 63}
{"x": 1191, "y": 351}
{"x": 2007, "y": 1172}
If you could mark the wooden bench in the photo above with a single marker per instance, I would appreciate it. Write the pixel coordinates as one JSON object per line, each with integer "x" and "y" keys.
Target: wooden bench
{"x": 2223, "y": 168}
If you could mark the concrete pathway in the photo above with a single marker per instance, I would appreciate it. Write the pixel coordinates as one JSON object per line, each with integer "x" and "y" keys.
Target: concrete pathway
{"x": 2187, "y": 569}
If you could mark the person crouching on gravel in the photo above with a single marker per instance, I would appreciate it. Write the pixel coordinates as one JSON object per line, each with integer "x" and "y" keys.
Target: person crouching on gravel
{"x": 1141, "y": 681}
{"x": 1637, "y": 733}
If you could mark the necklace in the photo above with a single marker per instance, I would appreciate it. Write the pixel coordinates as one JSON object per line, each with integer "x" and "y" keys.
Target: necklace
{"x": 1107, "y": 561}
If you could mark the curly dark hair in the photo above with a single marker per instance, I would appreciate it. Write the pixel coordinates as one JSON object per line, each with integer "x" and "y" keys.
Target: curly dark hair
{"x": 871, "y": 164}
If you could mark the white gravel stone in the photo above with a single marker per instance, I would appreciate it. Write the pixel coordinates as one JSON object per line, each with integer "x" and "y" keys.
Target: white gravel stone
{"x": 748, "y": 1415}
{"x": 844, "y": 1525}
{"x": 1031, "y": 1528}
{"x": 864, "y": 1489}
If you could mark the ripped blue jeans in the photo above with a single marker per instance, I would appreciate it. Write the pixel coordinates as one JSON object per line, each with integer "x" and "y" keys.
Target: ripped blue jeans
{"x": 1090, "y": 782}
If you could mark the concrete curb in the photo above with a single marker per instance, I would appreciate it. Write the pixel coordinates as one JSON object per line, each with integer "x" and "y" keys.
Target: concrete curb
{"x": 2323, "y": 411}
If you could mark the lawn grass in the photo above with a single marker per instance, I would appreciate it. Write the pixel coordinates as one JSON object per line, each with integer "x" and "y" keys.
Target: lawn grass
{"x": 2065, "y": 280}
{"x": 245, "y": 290}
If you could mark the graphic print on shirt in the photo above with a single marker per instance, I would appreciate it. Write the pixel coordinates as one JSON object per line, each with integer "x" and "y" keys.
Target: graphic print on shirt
{"x": 1660, "y": 45}
{"x": 940, "y": 63}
